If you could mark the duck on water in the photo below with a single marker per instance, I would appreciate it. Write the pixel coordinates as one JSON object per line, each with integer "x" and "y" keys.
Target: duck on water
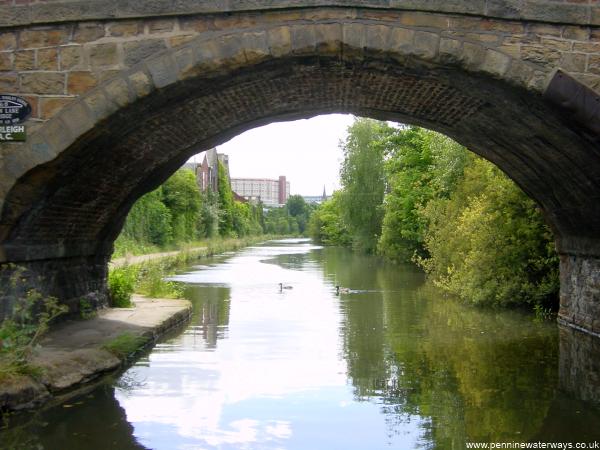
{"x": 342, "y": 290}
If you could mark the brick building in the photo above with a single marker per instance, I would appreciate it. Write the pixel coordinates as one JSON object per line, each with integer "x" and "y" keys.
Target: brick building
{"x": 207, "y": 172}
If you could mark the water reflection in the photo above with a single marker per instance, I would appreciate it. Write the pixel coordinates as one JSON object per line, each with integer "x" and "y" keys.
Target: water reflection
{"x": 94, "y": 420}
{"x": 390, "y": 365}
{"x": 210, "y": 318}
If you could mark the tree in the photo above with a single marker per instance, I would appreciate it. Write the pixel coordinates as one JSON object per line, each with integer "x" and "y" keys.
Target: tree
{"x": 488, "y": 242}
{"x": 225, "y": 203}
{"x": 299, "y": 211}
{"x": 209, "y": 214}
{"x": 362, "y": 177}
{"x": 181, "y": 197}
{"x": 420, "y": 165}
{"x": 326, "y": 224}
{"x": 149, "y": 221}
{"x": 296, "y": 205}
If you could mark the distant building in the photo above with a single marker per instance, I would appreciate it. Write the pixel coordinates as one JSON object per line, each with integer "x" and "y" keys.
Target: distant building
{"x": 207, "y": 172}
{"x": 270, "y": 192}
{"x": 316, "y": 199}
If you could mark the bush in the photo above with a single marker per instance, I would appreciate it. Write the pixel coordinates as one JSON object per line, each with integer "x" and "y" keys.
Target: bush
{"x": 489, "y": 244}
{"x": 121, "y": 284}
{"x": 327, "y": 226}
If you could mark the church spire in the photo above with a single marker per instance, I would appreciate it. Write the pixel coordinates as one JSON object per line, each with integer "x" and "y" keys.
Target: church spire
{"x": 324, "y": 194}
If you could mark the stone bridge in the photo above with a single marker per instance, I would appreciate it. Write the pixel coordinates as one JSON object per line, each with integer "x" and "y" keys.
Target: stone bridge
{"x": 123, "y": 92}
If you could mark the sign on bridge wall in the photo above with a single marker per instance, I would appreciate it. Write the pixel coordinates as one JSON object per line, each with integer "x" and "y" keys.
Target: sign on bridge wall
{"x": 13, "y": 111}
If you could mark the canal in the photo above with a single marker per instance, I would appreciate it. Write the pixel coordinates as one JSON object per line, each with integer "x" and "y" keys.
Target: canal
{"x": 391, "y": 363}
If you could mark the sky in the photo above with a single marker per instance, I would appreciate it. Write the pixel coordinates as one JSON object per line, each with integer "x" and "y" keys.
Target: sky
{"x": 305, "y": 151}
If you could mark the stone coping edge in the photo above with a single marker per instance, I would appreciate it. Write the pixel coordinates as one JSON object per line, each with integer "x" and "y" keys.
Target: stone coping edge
{"x": 26, "y": 392}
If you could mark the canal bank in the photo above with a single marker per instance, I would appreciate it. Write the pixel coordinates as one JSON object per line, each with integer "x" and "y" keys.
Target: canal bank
{"x": 78, "y": 352}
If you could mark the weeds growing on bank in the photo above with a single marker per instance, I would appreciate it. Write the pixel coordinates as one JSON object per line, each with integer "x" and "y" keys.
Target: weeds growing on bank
{"x": 121, "y": 284}
{"x": 86, "y": 309}
{"x": 543, "y": 314}
{"x": 152, "y": 282}
{"x": 20, "y": 333}
{"x": 125, "y": 345}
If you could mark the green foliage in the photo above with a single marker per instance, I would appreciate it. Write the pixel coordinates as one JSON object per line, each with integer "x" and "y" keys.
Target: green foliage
{"x": 296, "y": 206}
{"x": 488, "y": 243}
{"x": 177, "y": 213}
{"x": 152, "y": 282}
{"x": 149, "y": 221}
{"x": 470, "y": 227}
{"x": 86, "y": 309}
{"x": 246, "y": 219}
{"x": 226, "y": 204}
{"x": 326, "y": 224}
{"x": 362, "y": 178}
{"x": 542, "y": 313}
{"x": 409, "y": 178}
{"x": 420, "y": 165}
{"x": 300, "y": 211}
{"x": 209, "y": 214}
{"x": 125, "y": 345}
{"x": 19, "y": 334}
{"x": 181, "y": 198}
{"x": 121, "y": 284}
{"x": 277, "y": 221}
{"x": 127, "y": 246}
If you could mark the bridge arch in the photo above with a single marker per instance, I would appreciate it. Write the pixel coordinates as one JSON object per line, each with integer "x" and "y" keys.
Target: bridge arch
{"x": 64, "y": 194}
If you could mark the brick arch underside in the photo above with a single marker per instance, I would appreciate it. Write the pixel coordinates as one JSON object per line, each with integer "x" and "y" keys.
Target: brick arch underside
{"x": 64, "y": 215}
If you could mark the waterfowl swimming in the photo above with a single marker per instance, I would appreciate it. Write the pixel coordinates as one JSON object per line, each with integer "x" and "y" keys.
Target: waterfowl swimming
{"x": 341, "y": 290}
{"x": 284, "y": 286}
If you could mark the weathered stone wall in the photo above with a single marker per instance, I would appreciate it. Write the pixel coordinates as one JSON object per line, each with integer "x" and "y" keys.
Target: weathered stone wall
{"x": 51, "y": 65}
{"x": 25, "y": 12}
{"x": 580, "y": 292}
{"x": 579, "y": 365}
{"x": 68, "y": 279}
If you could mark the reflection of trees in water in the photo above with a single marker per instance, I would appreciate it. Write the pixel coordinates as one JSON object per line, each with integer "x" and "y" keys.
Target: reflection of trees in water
{"x": 93, "y": 421}
{"x": 502, "y": 365}
{"x": 210, "y": 316}
{"x": 474, "y": 374}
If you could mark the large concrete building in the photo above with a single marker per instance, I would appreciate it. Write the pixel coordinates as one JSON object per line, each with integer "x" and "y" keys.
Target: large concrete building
{"x": 269, "y": 191}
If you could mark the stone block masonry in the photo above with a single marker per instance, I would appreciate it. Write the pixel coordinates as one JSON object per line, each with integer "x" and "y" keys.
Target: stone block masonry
{"x": 54, "y": 63}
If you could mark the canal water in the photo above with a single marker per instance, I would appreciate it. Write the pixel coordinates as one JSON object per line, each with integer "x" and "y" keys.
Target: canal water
{"x": 390, "y": 364}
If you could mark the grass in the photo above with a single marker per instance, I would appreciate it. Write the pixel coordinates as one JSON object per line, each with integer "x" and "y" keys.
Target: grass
{"x": 152, "y": 282}
{"x": 130, "y": 247}
{"x": 125, "y": 345}
{"x": 14, "y": 370}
